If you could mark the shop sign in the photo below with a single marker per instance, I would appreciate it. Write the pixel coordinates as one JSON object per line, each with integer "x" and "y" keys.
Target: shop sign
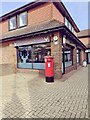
{"x": 34, "y": 40}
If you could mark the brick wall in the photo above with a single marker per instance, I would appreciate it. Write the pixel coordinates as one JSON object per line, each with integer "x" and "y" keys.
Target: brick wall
{"x": 8, "y": 59}
{"x": 82, "y": 56}
{"x": 85, "y": 41}
{"x": 57, "y": 15}
{"x": 56, "y": 52}
{"x": 74, "y": 58}
{"x": 4, "y": 26}
{"x": 37, "y": 15}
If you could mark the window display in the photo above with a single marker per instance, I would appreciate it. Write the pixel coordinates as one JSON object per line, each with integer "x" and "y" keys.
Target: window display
{"x": 68, "y": 58}
{"x": 33, "y": 56}
{"x": 78, "y": 56}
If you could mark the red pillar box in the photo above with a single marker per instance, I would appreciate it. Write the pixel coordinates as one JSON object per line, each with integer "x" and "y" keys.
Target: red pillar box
{"x": 49, "y": 69}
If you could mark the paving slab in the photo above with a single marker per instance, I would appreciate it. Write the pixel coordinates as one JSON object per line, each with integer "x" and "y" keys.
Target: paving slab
{"x": 27, "y": 95}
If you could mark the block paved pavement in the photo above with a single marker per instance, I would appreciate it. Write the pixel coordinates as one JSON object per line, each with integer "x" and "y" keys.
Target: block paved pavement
{"x": 29, "y": 96}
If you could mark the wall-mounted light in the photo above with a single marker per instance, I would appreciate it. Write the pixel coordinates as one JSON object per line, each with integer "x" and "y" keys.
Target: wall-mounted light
{"x": 55, "y": 40}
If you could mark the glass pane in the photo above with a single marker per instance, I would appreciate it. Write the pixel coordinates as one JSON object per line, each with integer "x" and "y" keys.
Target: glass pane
{"x": 78, "y": 56}
{"x": 33, "y": 56}
{"x": 25, "y": 57}
{"x": 39, "y": 52}
{"x": 66, "y": 22}
{"x": 23, "y": 19}
{"x": 88, "y": 57}
{"x": 72, "y": 29}
{"x": 39, "y": 65}
{"x": 70, "y": 26}
{"x": 62, "y": 68}
{"x": 68, "y": 58}
{"x": 68, "y": 63}
{"x": 12, "y": 23}
{"x": 25, "y": 65}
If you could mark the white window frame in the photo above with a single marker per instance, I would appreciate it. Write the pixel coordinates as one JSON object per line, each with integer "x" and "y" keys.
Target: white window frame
{"x": 20, "y": 20}
{"x": 70, "y": 26}
{"x": 66, "y": 21}
{"x": 11, "y": 27}
{"x": 72, "y": 29}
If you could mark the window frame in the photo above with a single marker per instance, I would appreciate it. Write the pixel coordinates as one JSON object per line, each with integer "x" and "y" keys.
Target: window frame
{"x": 68, "y": 25}
{"x": 18, "y": 19}
{"x": 66, "y": 22}
{"x": 9, "y": 23}
{"x": 72, "y": 29}
{"x": 32, "y": 53}
{"x": 70, "y": 52}
{"x": 78, "y": 54}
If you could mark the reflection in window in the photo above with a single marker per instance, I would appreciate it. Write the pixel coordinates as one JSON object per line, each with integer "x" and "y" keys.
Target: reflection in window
{"x": 69, "y": 25}
{"x": 33, "y": 56}
{"x": 68, "y": 58}
{"x": 39, "y": 52}
{"x": 24, "y": 54}
{"x": 78, "y": 56}
{"x": 66, "y": 22}
{"x": 88, "y": 57}
{"x": 12, "y": 23}
{"x": 72, "y": 29}
{"x": 23, "y": 19}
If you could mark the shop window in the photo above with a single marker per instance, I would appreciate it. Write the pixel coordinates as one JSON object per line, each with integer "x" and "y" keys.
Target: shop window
{"x": 22, "y": 19}
{"x": 39, "y": 52}
{"x": 68, "y": 58}
{"x": 24, "y": 57}
{"x": 33, "y": 56}
{"x": 12, "y": 23}
{"x": 78, "y": 56}
{"x": 88, "y": 57}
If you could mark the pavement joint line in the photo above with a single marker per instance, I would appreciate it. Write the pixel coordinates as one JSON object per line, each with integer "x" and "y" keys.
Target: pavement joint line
{"x": 66, "y": 99}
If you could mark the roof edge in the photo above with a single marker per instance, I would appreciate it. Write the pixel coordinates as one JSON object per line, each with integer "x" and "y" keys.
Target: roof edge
{"x": 63, "y": 27}
{"x": 36, "y": 3}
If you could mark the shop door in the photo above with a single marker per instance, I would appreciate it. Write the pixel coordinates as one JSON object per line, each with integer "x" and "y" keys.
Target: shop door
{"x": 88, "y": 58}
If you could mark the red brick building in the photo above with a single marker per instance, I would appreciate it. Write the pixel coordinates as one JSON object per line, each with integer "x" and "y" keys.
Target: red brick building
{"x": 29, "y": 32}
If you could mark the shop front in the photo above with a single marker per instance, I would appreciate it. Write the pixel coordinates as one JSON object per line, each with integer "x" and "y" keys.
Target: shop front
{"x": 67, "y": 59}
{"x": 70, "y": 55}
{"x": 30, "y": 55}
{"x": 29, "y": 50}
{"x": 88, "y": 55}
